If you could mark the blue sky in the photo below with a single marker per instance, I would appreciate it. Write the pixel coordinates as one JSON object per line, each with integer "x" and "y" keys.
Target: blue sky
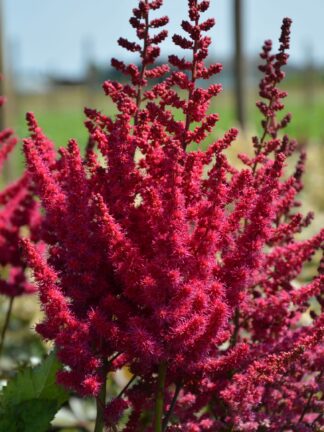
{"x": 51, "y": 35}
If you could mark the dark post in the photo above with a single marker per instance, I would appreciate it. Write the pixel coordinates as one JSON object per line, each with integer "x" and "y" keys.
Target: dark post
{"x": 309, "y": 77}
{"x": 2, "y": 113}
{"x": 91, "y": 72}
{"x": 7, "y": 169}
{"x": 239, "y": 67}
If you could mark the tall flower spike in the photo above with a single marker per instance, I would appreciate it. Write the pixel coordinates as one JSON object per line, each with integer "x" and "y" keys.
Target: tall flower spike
{"x": 147, "y": 47}
{"x": 268, "y": 88}
{"x": 198, "y": 101}
{"x": 129, "y": 97}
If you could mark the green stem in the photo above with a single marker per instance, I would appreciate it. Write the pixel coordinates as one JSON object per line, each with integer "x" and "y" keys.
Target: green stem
{"x": 126, "y": 387}
{"x": 309, "y": 400}
{"x": 159, "y": 402}
{"x": 100, "y": 403}
{"x": 172, "y": 406}
{"x": 236, "y": 327}
{"x": 6, "y": 324}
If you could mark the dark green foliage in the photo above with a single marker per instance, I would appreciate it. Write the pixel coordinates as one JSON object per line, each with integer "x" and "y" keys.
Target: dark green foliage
{"x": 30, "y": 401}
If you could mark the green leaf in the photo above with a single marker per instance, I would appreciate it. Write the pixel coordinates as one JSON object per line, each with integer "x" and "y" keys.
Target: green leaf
{"x": 29, "y": 416}
{"x": 32, "y": 398}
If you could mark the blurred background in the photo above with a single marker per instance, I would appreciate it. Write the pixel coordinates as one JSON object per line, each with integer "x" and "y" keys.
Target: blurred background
{"x": 56, "y": 54}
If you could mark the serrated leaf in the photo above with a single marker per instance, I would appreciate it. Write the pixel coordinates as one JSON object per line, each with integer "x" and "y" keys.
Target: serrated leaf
{"x": 33, "y": 415}
{"x": 31, "y": 399}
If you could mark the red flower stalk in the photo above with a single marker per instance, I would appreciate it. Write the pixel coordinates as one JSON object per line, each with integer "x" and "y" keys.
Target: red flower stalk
{"x": 178, "y": 263}
{"x": 148, "y": 50}
{"x": 18, "y": 210}
{"x": 195, "y": 107}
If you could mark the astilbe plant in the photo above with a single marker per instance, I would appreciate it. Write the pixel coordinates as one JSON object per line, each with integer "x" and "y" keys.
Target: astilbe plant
{"x": 18, "y": 212}
{"x": 174, "y": 263}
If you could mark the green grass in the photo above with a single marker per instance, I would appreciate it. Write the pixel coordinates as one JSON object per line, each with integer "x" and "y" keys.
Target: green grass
{"x": 308, "y": 121}
{"x": 65, "y": 119}
{"x": 59, "y": 126}
{"x": 61, "y": 116}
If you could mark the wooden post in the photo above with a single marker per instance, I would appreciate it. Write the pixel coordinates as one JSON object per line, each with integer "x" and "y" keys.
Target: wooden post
{"x": 91, "y": 78}
{"x": 309, "y": 78}
{"x": 239, "y": 67}
{"x": 7, "y": 170}
{"x": 2, "y": 92}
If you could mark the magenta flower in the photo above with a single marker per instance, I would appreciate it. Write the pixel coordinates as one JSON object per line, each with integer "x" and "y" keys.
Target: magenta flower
{"x": 18, "y": 211}
{"x": 175, "y": 262}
